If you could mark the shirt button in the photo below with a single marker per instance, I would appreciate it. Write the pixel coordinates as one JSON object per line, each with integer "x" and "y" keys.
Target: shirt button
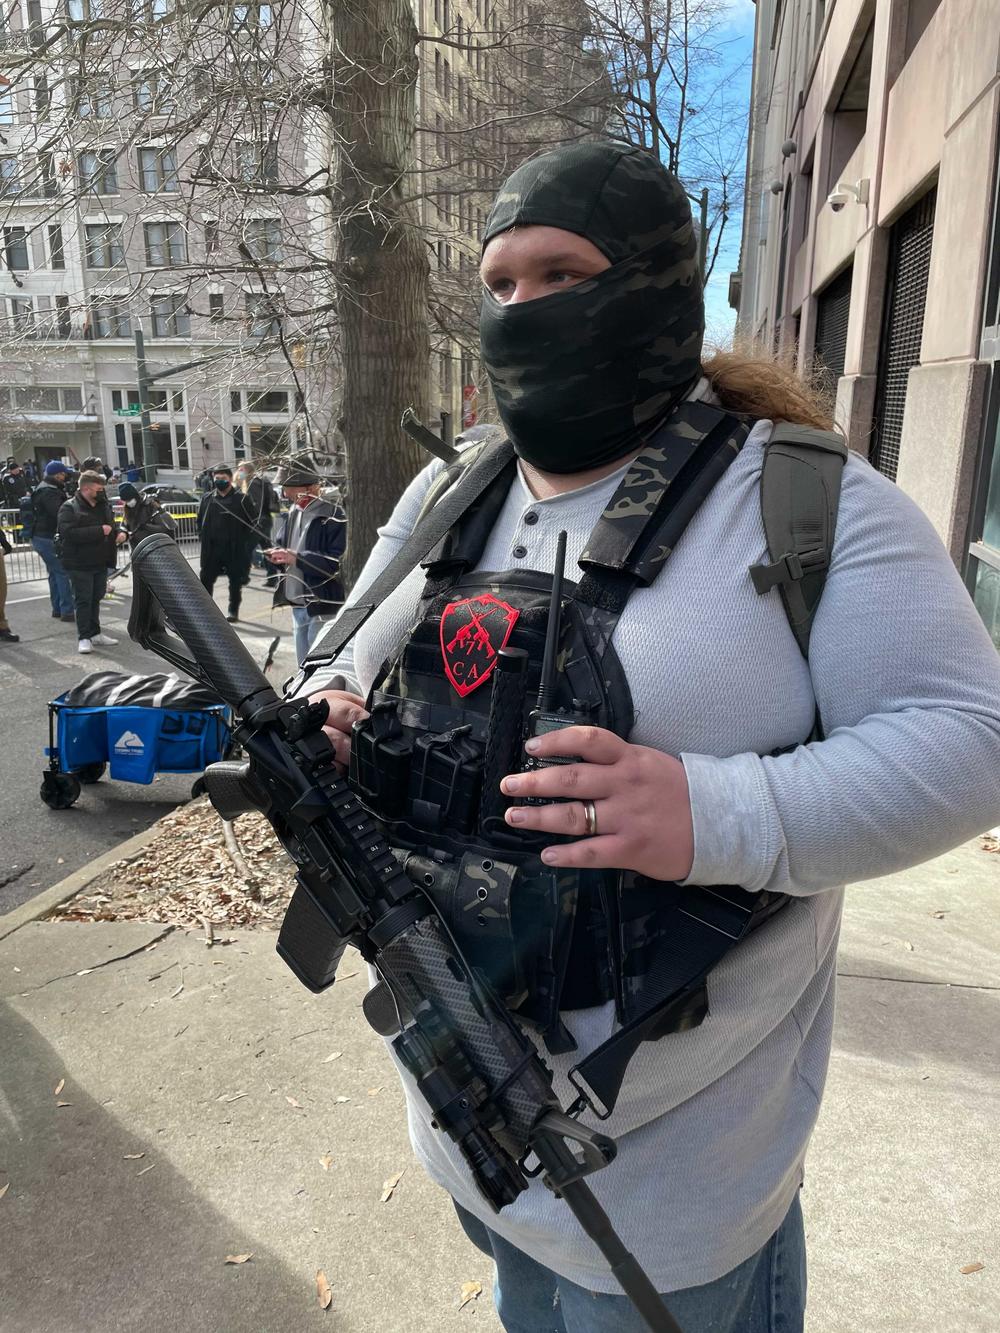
{"x": 531, "y": 517}
{"x": 519, "y": 552}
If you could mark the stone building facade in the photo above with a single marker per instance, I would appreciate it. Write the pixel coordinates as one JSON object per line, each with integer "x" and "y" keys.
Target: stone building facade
{"x": 870, "y": 242}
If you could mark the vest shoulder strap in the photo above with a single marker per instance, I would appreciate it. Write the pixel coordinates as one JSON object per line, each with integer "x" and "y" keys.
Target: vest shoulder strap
{"x": 799, "y": 498}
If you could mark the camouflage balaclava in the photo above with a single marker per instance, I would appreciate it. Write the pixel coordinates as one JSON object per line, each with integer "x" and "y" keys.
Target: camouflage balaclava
{"x": 581, "y": 375}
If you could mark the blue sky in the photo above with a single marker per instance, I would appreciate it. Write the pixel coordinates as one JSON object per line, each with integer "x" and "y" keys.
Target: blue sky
{"x": 738, "y": 52}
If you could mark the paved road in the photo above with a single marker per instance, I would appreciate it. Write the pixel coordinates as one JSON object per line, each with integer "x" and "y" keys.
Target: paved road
{"x": 39, "y": 846}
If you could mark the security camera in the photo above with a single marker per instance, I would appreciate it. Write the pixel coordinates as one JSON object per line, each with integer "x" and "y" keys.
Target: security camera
{"x": 839, "y": 198}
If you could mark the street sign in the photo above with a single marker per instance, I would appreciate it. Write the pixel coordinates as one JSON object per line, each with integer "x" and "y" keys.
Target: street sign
{"x": 133, "y": 410}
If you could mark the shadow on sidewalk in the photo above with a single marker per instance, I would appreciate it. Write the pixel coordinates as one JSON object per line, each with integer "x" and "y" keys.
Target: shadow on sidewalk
{"x": 93, "y": 1241}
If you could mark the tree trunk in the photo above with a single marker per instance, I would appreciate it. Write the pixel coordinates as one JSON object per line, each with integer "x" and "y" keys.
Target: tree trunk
{"x": 382, "y": 292}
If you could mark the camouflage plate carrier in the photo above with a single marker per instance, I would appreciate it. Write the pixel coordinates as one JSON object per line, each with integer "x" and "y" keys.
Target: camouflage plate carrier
{"x": 548, "y": 939}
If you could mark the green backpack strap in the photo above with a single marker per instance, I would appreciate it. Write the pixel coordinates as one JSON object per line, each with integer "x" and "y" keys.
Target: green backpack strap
{"x": 799, "y": 495}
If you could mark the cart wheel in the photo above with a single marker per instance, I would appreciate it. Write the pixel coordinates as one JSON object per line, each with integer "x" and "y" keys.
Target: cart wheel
{"x": 90, "y": 772}
{"x": 59, "y": 790}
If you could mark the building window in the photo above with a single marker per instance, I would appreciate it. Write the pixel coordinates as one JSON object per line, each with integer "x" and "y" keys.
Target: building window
{"x": 171, "y": 318}
{"x": 253, "y": 17}
{"x": 110, "y": 319}
{"x": 263, "y": 239}
{"x": 166, "y": 244}
{"x": 262, "y": 322}
{"x": 99, "y": 171}
{"x": 64, "y": 323}
{"x": 211, "y": 237}
{"x": 158, "y": 170}
{"x": 257, "y": 163}
{"x": 104, "y": 244}
{"x": 43, "y": 94}
{"x": 15, "y": 249}
{"x": 216, "y": 307}
{"x": 22, "y": 314}
{"x": 10, "y": 179}
{"x": 82, "y": 11}
{"x": 45, "y": 180}
{"x": 93, "y": 99}
{"x": 57, "y": 255}
{"x": 153, "y": 92}
{"x": 8, "y": 113}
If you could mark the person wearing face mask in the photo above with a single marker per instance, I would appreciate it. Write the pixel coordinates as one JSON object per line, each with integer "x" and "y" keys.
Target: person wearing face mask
{"x": 311, "y": 541}
{"x": 87, "y": 538}
{"x": 228, "y": 535}
{"x": 144, "y": 514}
{"x": 745, "y": 746}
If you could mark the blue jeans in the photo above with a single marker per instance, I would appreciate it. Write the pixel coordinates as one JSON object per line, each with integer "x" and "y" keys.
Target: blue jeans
{"x": 307, "y": 627}
{"x": 764, "y": 1294}
{"x": 60, "y": 589}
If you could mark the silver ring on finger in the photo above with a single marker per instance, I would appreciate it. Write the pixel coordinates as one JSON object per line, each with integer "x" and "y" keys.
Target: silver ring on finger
{"x": 590, "y": 815}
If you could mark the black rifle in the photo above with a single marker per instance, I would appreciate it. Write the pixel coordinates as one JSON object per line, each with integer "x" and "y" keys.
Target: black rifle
{"x": 483, "y": 1079}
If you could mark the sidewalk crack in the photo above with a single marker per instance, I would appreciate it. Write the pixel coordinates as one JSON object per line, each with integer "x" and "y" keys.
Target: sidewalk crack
{"x": 119, "y": 958}
{"x": 918, "y": 981}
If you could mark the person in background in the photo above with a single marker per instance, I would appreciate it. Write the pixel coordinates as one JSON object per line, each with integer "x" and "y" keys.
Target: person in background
{"x": 311, "y": 541}
{"x": 265, "y": 504}
{"x": 31, "y": 472}
{"x": 7, "y": 635}
{"x": 88, "y": 536}
{"x": 47, "y": 499}
{"x": 144, "y": 514}
{"x": 228, "y": 535}
{"x": 95, "y": 464}
{"x": 133, "y": 472}
{"x": 14, "y": 485}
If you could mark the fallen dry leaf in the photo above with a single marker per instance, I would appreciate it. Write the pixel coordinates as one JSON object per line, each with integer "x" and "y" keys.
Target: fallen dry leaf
{"x": 389, "y": 1185}
{"x": 326, "y": 1161}
{"x": 470, "y": 1292}
{"x": 239, "y": 1258}
{"x": 939, "y": 916}
{"x": 292, "y": 1102}
{"x": 134, "y": 1156}
{"x": 334, "y": 1055}
{"x": 343, "y": 1099}
{"x": 4, "y": 1189}
{"x": 323, "y": 1292}
{"x": 966, "y": 1269}
{"x": 59, "y": 1087}
{"x": 374, "y": 1092}
{"x": 908, "y": 946}
{"x": 64, "y": 1103}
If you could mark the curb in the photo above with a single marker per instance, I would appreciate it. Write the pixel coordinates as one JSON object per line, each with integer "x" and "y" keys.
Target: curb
{"x": 48, "y": 899}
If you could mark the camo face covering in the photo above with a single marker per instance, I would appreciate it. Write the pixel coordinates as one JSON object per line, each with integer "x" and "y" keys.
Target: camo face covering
{"x": 579, "y": 376}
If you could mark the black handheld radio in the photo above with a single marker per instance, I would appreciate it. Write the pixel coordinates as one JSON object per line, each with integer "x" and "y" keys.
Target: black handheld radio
{"x": 543, "y": 718}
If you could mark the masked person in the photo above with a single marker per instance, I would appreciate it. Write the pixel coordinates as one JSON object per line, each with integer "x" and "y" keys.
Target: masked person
{"x": 264, "y": 502}
{"x": 143, "y": 514}
{"x": 311, "y": 542}
{"x": 228, "y": 536}
{"x": 725, "y": 786}
{"x": 88, "y": 537}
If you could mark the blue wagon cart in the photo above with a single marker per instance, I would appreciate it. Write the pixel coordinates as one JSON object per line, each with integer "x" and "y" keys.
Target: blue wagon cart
{"x": 133, "y": 727}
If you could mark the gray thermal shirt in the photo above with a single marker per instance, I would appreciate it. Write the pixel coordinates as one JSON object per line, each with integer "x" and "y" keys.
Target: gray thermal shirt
{"x": 712, "y": 1124}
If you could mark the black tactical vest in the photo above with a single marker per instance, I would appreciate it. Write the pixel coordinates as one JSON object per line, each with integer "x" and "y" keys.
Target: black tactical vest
{"x": 547, "y": 939}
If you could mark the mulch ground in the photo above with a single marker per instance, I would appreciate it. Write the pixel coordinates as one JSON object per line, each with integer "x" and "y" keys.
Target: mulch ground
{"x": 187, "y": 875}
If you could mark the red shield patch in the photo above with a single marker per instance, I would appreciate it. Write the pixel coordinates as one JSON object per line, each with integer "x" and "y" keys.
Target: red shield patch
{"x": 472, "y": 633}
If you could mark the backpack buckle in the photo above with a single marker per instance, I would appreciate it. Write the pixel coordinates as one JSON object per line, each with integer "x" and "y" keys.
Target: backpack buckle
{"x": 788, "y": 568}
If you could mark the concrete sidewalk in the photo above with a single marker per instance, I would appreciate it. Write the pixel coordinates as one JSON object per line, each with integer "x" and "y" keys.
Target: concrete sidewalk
{"x": 207, "y": 1106}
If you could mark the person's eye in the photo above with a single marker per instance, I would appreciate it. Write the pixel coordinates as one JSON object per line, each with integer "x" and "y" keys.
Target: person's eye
{"x": 499, "y": 287}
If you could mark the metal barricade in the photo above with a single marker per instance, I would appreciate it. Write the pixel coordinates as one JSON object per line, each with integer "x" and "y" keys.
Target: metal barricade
{"x": 25, "y": 565}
